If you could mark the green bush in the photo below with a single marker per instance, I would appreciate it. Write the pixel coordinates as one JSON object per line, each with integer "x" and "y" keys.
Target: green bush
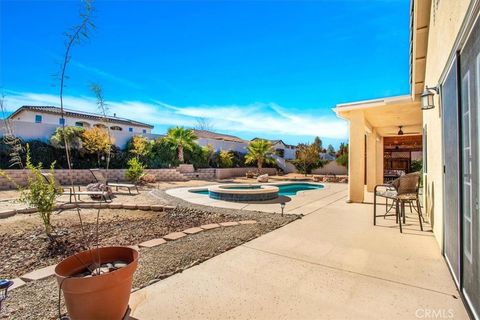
{"x": 40, "y": 193}
{"x": 225, "y": 159}
{"x": 197, "y": 155}
{"x": 416, "y": 165}
{"x": 162, "y": 155}
{"x": 135, "y": 170}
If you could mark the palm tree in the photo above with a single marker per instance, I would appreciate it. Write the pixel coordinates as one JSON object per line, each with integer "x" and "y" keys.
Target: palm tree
{"x": 259, "y": 151}
{"x": 181, "y": 139}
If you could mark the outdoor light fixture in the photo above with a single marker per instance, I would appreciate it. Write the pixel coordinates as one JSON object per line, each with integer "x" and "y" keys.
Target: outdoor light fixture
{"x": 427, "y": 97}
{"x": 282, "y": 205}
{"x": 4, "y": 285}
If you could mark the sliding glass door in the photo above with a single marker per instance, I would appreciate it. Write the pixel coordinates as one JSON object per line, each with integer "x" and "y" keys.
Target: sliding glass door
{"x": 470, "y": 179}
{"x": 451, "y": 172}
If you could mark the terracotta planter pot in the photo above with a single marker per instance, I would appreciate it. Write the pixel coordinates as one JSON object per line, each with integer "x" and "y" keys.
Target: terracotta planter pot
{"x": 100, "y": 297}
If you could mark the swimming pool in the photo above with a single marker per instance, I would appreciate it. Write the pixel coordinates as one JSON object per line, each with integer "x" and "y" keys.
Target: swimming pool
{"x": 284, "y": 189}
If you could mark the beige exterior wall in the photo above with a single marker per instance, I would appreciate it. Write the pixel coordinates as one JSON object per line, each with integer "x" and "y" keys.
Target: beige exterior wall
{"x": 53, "y": 119}
{"x": 43, "y": 131}
{"x": 331, "y": 167}
{"x": 356, "y": 151}
{"x": 446, "y": 18}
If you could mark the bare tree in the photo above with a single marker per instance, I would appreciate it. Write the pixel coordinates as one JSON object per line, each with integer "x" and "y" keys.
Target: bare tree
{"x": 103, "y": 108}
{"x": 204, "y": 124}
{"x": 74, "y": 36}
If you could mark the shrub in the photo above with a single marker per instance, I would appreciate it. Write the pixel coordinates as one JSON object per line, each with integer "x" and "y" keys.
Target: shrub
{"x": 342, "y": 155}
{"x": 40, "y": 193}
{"x": 73, "y": 135}
{"x": 308, "y": 158}
{"x": 197, "y": 155}
{"x": 148, "y": 178}
{"x": 416, "y": 165}
{"x": 225, "y": 159}
{"x": 162, "y": 155}
{"x": 97, "y": 141}
{"x": 140, "y": 147}
{"x": 135, "y": 170}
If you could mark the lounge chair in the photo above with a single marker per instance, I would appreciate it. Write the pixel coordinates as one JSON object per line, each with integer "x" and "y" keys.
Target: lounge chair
{"x": 401, "y": 191}
{"x": 99, "y": 177}
{"x": 70, "y": 191}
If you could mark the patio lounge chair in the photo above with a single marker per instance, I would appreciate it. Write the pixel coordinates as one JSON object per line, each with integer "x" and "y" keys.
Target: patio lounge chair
{"x": 72, "y": 193}
{"x": 401, "y": 191}
{"x": 99, "y": 177}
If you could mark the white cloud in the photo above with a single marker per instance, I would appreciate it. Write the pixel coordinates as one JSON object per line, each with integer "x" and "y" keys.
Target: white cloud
{"x": 256, "y": 118}
{"x": 106, "y": 75}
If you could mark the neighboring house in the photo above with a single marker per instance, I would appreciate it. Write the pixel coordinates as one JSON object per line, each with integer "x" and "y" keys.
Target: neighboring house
{"x": 331, "y": 166}
{"x": 443, "y": 121}
{"x": 221, "y": 141}
{"x": 327, "y": 156}
{"x": 40, "y": 122}
{"x": 283, "y": 150}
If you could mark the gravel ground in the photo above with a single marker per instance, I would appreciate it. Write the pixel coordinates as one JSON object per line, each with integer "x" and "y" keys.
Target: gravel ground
{"x": 25, "y": 246}
{"x": 38, "y": 300}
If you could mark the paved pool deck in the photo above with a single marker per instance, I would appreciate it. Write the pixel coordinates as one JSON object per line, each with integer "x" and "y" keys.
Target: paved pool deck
{"x": 305, "y": 202}
{"x": 331, "y": 264}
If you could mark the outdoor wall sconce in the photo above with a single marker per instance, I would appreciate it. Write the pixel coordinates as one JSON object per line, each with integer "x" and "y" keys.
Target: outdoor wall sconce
{"x": 4, "y": 285}
{"x": 427, "y": 97}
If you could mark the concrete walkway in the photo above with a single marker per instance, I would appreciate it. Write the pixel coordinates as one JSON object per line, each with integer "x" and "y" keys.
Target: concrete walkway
{"x": 331, "y": 264}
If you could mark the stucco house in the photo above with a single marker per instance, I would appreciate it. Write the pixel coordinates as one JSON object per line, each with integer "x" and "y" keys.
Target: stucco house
{"x": 220, "y": 141}
{"x": 40, "y": 122}
{"x": 440, "y": 118}
{"x": 282, "y": 149}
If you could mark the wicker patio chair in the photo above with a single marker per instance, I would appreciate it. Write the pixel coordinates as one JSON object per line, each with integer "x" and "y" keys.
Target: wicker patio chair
{"x": 401, "y": 191}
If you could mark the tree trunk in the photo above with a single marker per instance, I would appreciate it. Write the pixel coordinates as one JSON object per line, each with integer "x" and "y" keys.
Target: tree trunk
{"x": 180, "y": 154}
{"x": 259, "y": 167}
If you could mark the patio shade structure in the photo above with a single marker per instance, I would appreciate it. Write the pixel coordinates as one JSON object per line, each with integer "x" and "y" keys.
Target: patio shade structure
{"x": 370, "y": 122}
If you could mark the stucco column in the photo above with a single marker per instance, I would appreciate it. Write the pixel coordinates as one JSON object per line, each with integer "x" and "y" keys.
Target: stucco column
{"x": 371, "y": 160}
{"x": 379, "y": 162}
{"x": 356, "y": 156}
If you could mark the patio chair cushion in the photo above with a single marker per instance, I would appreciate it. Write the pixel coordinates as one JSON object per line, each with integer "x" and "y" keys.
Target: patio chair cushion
{"x": 387, "y": 193}
{"x": 407, "y": 196}
{"x": 125, "y": 185}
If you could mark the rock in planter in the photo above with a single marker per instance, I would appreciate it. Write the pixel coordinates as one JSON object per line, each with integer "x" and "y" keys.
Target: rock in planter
{"x": 262, "y": 178}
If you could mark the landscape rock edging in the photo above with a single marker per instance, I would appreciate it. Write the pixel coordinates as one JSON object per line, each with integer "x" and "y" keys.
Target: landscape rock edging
{"x": 90, "y": 205}
{"x": 48, "y": 271}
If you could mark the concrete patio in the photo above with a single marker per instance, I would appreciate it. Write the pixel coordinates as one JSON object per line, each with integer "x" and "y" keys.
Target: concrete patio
{"x": 331, "y": 264}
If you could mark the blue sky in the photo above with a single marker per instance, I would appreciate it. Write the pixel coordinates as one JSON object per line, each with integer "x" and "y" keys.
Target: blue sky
{"x": 251, "y": 68}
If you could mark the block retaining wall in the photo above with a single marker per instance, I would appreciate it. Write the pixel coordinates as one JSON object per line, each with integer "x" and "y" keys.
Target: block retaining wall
{"x": 84, "y": 176}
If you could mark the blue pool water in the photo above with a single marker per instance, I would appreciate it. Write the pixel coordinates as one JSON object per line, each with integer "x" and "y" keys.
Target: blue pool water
{"x": 289, "y": 189}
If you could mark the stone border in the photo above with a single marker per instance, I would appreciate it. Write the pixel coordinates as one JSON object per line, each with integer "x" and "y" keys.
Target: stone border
{"x": 243, "y": 188}
{"x": 247, "y": 192}
{"x": 48, "y": 271}
{"x": 90, "y": 205}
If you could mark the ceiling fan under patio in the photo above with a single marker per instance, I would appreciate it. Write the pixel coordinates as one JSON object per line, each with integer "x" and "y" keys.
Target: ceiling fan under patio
{"x": 402, "y": 133}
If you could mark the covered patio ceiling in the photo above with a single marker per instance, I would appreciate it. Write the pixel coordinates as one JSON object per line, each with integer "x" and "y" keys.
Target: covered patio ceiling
{"x": 403, "y": 143}
{"x": 386, "y": 115}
